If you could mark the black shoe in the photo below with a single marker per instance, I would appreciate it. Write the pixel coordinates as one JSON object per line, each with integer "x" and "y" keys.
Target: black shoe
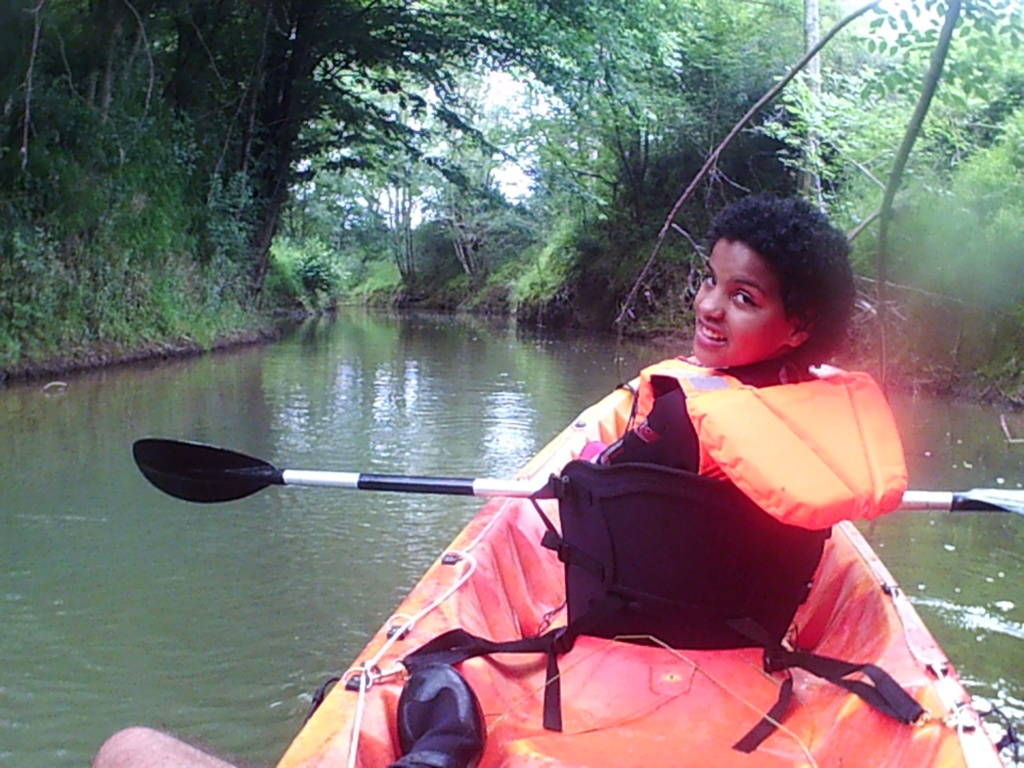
{"x": 440, "y": 724}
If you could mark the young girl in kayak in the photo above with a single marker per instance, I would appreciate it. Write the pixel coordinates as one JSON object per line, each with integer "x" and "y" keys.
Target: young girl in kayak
{"x": 748, "y": 405}
{"x": 776, "y": 298}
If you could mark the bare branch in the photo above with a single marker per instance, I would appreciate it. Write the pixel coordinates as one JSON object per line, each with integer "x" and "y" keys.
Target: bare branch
{"x": 26, "y": 127}
{"x": 713, "y": 157}
{"x": 684, "y": 233}
{"x": 863, "y": 225}
{"x": 149, "y": 54}
{"x": 1006, "y": 431}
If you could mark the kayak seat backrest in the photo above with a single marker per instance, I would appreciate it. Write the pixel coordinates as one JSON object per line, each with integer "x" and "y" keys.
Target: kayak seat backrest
{"x": 660, "y": 552}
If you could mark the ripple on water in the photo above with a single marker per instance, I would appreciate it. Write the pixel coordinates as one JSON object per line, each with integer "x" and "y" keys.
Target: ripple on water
{"x": 975, "y": 617}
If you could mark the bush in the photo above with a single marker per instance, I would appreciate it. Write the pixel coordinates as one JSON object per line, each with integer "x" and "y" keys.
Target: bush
{"x": 303, "y": 275}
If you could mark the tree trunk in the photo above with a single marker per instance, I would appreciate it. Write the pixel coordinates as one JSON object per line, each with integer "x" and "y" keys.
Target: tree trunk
{"x": 810, "y": 181}
{"x": 107, "y": 79}
{"x": 400, "y": 205}
{"x": 931, "y": 82}
{"x": 281, "y": 113}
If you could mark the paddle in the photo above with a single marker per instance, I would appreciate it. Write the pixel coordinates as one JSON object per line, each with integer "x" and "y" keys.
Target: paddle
{"x": 975, "y": 500}
{"x": 204, "y": 473}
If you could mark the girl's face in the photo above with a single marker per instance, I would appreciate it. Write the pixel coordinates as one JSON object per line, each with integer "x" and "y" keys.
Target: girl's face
{"x": 740, "y": 315}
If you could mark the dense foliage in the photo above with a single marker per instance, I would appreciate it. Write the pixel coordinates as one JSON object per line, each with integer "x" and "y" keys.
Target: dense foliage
{"x": 179, "y": 170}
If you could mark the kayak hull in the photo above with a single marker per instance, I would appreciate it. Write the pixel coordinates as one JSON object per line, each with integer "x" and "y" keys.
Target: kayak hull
{"x": 629, "y": 704}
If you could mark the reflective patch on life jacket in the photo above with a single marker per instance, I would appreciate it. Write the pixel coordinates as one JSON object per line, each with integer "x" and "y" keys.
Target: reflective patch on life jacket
{"x": 705, "y": 383}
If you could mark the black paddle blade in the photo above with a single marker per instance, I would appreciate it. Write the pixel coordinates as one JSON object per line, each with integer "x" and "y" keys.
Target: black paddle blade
{"x": 988, "y": 500}
{"x": 203, "y": 473}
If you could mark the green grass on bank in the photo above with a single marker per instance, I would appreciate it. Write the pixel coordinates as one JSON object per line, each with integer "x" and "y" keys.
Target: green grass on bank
{"x": 56, "y": 307}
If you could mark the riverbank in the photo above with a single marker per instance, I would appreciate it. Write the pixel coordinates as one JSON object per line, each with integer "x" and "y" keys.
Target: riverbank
{"x": 110, "y": 355}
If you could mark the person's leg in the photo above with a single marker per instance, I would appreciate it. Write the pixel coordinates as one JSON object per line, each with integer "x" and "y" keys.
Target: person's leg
{"x": 439, "y": 721}
{"x": 145, "y": 748}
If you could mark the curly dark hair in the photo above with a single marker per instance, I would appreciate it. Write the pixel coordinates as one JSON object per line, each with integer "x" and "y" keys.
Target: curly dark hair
{"x": 809, "y": 256}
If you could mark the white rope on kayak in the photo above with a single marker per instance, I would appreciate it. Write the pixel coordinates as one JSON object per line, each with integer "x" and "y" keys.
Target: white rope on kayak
{"x": 490, "y": 524}
{"x": 357, "y": 721}
{"x": 369, "y": 671}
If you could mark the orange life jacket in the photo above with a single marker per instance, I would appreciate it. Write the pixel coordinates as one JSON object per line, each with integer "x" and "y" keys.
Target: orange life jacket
{"x": 810, "y": 453}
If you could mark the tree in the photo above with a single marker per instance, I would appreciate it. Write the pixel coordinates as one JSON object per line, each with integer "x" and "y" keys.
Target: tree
{"x": 810, "y": 182}
{"x": 931, "y": 82}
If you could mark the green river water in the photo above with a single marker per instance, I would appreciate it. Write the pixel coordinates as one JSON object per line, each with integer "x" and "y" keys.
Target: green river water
{"x": 120, "y": 605}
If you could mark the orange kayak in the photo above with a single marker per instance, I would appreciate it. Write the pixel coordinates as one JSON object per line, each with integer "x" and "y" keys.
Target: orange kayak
{"x": 625, "y": 704}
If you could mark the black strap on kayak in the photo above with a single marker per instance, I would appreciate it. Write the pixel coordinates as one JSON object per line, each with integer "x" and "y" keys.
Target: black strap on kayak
{"x": 881, "y": 691}
{"x": 457, "y": 645}
{"x": 767, "y": 726}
